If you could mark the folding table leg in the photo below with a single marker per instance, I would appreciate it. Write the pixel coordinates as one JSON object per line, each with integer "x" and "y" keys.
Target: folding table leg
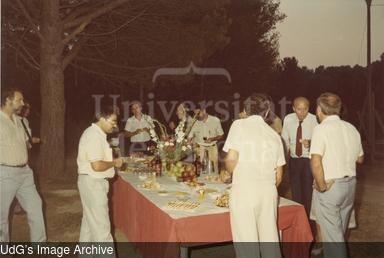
{"x": 184, "y": 252}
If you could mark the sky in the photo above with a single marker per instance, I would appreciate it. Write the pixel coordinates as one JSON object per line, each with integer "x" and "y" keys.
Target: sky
{"x": 330, "y": 32}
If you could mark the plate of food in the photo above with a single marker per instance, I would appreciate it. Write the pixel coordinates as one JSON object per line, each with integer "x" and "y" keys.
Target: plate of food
{"x": 182, "y": 205}
{"x": 223, "y": 200}
{"x": 213, "y": 179}
{"x": 194, "y": 184}
{"x": 163, "y": 193}
{"x": 150, "y": 185}
{"x": 211, "y": 190}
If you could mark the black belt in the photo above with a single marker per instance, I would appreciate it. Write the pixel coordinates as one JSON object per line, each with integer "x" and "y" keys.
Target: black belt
{"x": 14, "y": 166}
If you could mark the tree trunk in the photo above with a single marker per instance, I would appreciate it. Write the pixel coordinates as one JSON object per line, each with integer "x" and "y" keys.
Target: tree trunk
{"x": 52, "y": 151}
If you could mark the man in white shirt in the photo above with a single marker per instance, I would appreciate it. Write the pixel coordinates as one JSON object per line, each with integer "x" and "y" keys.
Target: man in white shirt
{"x": 205, "y": 134}
{"x": 297, "y": 134}
{"x": 335, "y": 149}
{"x": 255, "y": 156}
{"x": 95, "y": 166}
{"x": 137, "y": 128}
{"x": 16, "y": 177}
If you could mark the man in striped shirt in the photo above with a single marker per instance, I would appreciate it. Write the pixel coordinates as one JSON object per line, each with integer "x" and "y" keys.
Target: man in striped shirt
{"x": 16, "y": 177}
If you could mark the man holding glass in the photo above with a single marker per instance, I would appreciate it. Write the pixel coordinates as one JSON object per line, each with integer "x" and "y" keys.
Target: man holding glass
{"x": 297, "y": 134}
{"x": 205, "y": 134}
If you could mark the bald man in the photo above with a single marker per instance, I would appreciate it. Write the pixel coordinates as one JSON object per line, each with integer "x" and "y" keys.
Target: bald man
{"x": 297, "y": 134}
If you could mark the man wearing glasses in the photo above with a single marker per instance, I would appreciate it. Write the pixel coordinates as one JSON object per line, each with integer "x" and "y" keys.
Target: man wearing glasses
{"x": 95, "y": 167}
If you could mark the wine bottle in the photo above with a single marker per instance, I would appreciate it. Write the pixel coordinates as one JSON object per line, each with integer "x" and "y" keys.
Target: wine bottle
{"x": 158, "y": 165}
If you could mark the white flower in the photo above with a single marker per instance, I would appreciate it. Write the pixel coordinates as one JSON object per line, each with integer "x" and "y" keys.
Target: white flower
{"x": 152, "y": 132}
{"x": 183, "y": 148}
{"x": 166, "y": 143}
{"x": 171, "y": 144}
{"x": 161, "y": 145}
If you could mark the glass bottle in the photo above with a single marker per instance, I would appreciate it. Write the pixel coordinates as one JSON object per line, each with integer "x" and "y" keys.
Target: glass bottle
{"x": 158, "y": 166}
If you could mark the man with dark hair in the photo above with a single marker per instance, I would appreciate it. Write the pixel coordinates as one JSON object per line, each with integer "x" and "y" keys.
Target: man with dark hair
{"x": 95, "y": 167}
{"x": 137, "y": 128}
{"x": 16, "y": 177}
{"x": 335, "y": 149}
{"x": 205, "y": 132}
{"x": 255, "y": 156}
{"x": 297, "y": 133}
{"x": 24, "y": 114}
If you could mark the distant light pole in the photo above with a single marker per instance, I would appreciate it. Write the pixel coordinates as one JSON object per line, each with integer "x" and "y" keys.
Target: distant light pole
{"x": 370, "y": 97}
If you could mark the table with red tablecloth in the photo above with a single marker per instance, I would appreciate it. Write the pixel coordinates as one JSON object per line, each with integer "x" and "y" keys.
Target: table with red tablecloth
{"x": 157, "y": 234}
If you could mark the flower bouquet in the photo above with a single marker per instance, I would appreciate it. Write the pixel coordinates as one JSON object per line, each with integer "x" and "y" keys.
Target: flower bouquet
{"x": 171, "y": 148}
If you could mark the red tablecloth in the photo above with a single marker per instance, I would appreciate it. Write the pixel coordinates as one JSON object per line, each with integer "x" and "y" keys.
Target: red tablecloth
{"x": 144, "y": 223}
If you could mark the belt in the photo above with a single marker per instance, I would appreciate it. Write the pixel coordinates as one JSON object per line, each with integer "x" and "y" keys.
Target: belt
{"x": 14, "y": 166}
{"x": 344, "y": 177}
{"x": 106, "y": 178}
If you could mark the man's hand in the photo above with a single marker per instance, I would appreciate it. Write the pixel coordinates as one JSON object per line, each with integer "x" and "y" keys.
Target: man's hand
{"x": 35, "y": 140}
{"x": 324, "y": 188}
{"x": 118, "y": 162}
{"x": 172, "y": 125}
{"x": 306, "y": 143}
{"x": 208, "y": 140}
{"x": 146, "y": 129}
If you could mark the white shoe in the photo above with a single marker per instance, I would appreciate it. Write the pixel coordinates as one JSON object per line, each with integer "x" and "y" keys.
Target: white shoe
{"x": 316, "y": 251}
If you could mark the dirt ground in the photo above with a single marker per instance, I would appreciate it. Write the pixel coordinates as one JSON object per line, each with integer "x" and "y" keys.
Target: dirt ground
{"x": 63, "y": 211}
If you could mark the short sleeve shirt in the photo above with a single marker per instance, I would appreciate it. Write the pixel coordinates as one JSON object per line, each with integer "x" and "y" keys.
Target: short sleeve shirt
{"x": 206, "y": 129}
{"x": 13, "y": 144}
{"x": 260, "y": 150}
{"x": 93, "y": 146}
{"x": 134, "y": 124}
{"x": 339, "y": 144}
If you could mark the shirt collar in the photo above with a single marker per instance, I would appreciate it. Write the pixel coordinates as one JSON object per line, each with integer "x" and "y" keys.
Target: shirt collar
{"x": 331, "y": 118}
{"x": 206, "y": 121}
{"x": 7, "y": 117}
{"x": 255, "y": 117}
{"x": 98, "y": 129}
{"x": 306, "y": 117}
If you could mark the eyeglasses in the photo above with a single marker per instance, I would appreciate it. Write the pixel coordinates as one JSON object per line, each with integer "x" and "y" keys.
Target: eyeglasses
{"x": 112, "y": 122}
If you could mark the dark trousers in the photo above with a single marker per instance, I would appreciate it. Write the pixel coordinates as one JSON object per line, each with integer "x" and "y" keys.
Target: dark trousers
{"x": 301, "y": 179}
{"x": 138, "y": 147}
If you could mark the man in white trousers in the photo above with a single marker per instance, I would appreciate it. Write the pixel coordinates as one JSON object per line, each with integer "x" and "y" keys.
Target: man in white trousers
{"x": 95, "y": 167}
{"x": 255, "y": 155}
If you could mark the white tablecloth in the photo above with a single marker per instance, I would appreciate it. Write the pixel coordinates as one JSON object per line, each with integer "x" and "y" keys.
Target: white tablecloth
{"x": 207, "y": 206}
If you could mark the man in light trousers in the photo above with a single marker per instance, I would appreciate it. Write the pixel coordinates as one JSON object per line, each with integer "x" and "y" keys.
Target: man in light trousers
{"x": 335, "y": 149}
{"x": 95, "y": 166}
{"x": 16, "y": 177}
